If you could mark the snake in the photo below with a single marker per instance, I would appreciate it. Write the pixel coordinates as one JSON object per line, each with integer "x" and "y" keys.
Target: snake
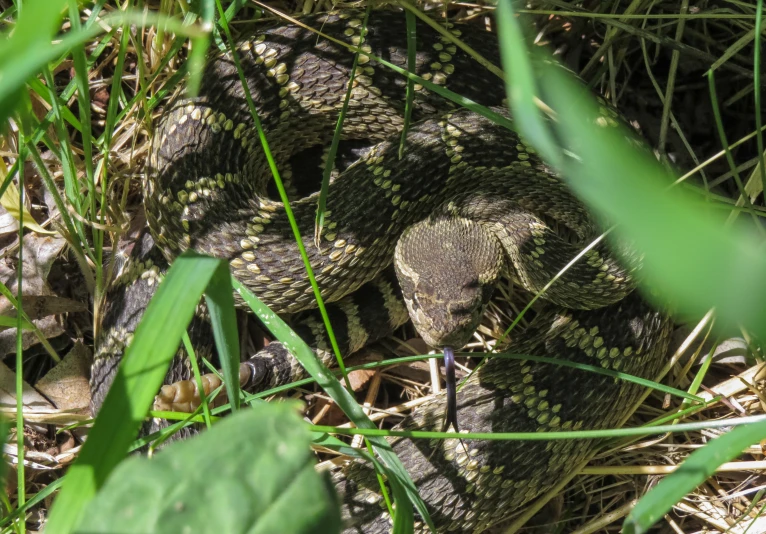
{"x": 418, "y": 227}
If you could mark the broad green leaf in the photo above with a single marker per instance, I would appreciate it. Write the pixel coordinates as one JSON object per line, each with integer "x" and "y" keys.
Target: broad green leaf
{"x": 251, "y": 473}
{"x": 140, "y": 375}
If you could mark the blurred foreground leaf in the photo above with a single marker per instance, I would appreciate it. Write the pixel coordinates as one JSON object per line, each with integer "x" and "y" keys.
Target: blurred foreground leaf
{"x": 692, "y": 260}
{"x": 252, "y": 472}
{"x": 142, "y": 371}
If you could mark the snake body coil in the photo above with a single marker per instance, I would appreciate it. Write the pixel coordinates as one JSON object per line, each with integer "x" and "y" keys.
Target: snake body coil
{"x": 466, "y": 200}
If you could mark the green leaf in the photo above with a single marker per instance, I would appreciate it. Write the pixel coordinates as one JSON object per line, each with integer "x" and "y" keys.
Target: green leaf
{"x": 27, "y": 50}
{"x": 701, "y": 464}
{"x": 253, "y": 472}
{"x": 138, "y": 379}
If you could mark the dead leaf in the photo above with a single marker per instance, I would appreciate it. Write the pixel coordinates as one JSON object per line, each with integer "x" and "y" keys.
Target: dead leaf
{"x": 38, "y": 254}
{"x": 30, "y": 399}
{"x": 66, "y": 385}
{"x": 37, "y": 307}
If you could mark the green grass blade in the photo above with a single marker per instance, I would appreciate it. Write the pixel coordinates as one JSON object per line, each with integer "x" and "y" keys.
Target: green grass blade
{"x": 72, "y": 235}
{"x": 694, "y": 471}
{"x": 45, "y": 92}
{"x": 322, "y": 201}
{"x": 140, "y": 375}
{"x": 281, "y": 331}
{"x": 13, "y": 322}
{"x": 282, "y": 193}
{"x": 522, "y": 91}
{"x": 111, "y": 113}
{"x": 17, "y": 67}
{"x": 65, "y": 153}
{"x": 451, "y": 37}
{"x": 599, "y": 371}
{"x": 22, "y": 55}
{"x": 26, "y": 322}
{"x": 5, "y": 428}
{"x": 83, "y": 101}
{"x": 66, "y": 94}
{"x": 757, "y": 92}
{"x": 191, "y": 353}
{"x": 439, "y": 90}
{"x": 36, "y": 499}
{"x": 327, "y": 381}
{"x": 196, "y": 62}
{"x": 548, "y": 436}
{"x": 24, "y": 114}
{"x": 401, "y": 523}
{"x": 725, "y": 143}
{"x": 220, "y": 304}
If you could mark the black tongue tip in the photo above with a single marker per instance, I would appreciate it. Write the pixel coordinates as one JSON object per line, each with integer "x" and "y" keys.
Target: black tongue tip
{"x": 449, "y": 367}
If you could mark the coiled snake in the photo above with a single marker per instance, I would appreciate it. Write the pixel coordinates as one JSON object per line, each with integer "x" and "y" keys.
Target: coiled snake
{"x": 466, "y": 201}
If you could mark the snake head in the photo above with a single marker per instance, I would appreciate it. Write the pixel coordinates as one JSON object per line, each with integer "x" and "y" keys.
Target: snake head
{"x": 447, "y": 269}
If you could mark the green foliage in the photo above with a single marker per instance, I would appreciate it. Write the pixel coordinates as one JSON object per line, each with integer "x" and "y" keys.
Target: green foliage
{"x": 688, "y": 251}
{"x": 249, "y": 474}
{"x": 142, "y": 372}
{"x": 404, "y": 489}
{"x": 38, "y": 22}
{"x": 701, "y": 464}
{"x": 692, "y": 259}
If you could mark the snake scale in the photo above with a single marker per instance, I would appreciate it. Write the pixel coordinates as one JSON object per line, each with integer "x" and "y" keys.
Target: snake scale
{"x": 467, "y": 201}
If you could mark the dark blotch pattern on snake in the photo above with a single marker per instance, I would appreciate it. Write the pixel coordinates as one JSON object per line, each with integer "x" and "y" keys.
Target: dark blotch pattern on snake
{"x": 467, "y": 201}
